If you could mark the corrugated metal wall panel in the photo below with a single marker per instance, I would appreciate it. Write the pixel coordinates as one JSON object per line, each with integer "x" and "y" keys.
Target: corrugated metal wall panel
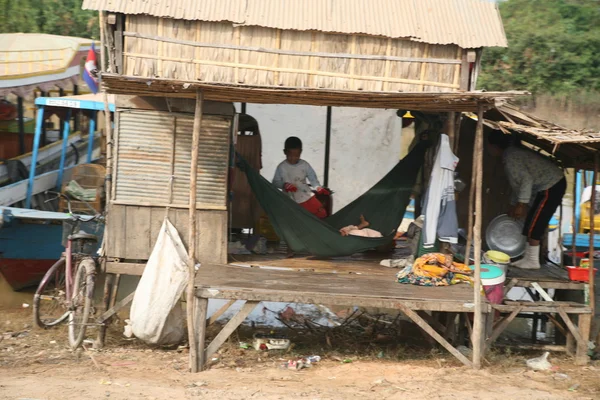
{"x": 467, "y": 23}
{"x": 144, "y": 154}
{"x": 212, "y": 160}
{"x": 143, "y": 157}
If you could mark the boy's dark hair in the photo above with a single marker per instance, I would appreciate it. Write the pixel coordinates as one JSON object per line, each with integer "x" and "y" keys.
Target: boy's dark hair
{"x": 502, "y": 140}
{"x": 293, "y": 143}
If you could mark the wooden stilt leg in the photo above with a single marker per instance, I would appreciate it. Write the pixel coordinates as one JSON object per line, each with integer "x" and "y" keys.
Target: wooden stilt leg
{"x": 220, "y": 312}
{"x": 231, "y": 326}
{"x": 478, "y": 324}
{"x": 489, "y": 327}
{"x": 427, "y": 328}
{"x": 571, "y": 344}
{"x": 584, "y": 324}
{"x": 106, "y": 301}
{"x": 462, "y": 327}
{"x": 190, "y": 295}
{"x": 115, "y": 290}
{"x": 200, "y": 308}
{"x": 501, "y": 326}
{"x": 450, "y": 334}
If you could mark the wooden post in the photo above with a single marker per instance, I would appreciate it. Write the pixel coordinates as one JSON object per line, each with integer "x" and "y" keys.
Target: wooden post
{"x": 584, "y": 325}
{"x": 592, "y": 228}
{"x": 478, "y": 327}
{"x": 109, "y": 149}
{"x": 102, "y": 41}
{"x": 201, "y": 308}
{"x": 457, "y": 124}
{"x": 471, "y": 200}
{"x": 21, "y": 121}
{"x": 192, "y": 233}
{"x": 115, "y": 290}
{"x": 574, "y": 220}
{"x": 450, "y": 128}
{"x": 106, "y": 303}
{"x": 560, "y": 234}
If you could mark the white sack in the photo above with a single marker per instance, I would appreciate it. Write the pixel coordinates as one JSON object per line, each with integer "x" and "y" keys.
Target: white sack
{"x": 156, "y": 315}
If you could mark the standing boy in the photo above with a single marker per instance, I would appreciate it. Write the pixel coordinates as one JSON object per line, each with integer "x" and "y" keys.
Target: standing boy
{"x": 296, "y": 177}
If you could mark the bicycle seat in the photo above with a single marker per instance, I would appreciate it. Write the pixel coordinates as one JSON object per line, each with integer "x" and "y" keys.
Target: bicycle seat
{"x": 81, "y": 235}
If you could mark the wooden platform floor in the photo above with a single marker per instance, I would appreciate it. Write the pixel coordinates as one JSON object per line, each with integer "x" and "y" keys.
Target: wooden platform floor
{"x": 351, "y": 281}
{"x": 550, "y": 276}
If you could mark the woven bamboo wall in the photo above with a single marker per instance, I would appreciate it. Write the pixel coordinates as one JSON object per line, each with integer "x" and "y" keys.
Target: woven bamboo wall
{"x": 149, "y": 51}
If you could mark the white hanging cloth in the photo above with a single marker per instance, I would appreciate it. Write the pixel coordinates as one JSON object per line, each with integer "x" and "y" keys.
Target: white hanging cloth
{"x": 440, "y": 204}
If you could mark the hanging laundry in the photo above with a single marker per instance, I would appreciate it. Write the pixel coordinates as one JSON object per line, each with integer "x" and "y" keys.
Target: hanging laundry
{"x": 440, "y": 205}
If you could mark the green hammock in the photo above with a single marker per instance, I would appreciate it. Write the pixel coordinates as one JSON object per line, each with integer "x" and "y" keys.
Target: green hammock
{"x": 383, "y": 206}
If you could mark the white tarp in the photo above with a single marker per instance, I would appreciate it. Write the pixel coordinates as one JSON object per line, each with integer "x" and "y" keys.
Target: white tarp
{"x": 156, "y": 316}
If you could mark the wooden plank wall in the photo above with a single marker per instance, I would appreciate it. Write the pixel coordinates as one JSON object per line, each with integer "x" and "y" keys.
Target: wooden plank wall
{"x": 132, "y": 232}
{"x": 219, "y": 52}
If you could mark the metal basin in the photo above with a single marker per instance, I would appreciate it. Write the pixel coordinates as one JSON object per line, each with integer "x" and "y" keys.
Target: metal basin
{"x": 505, "y": 234}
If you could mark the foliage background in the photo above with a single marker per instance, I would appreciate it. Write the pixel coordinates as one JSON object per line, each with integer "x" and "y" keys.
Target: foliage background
{"x": 58, "y": 17}
{"x": 554, "y": 48}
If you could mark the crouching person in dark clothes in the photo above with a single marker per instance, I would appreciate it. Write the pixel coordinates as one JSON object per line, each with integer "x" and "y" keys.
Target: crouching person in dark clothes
{"x": 538, "y": 186}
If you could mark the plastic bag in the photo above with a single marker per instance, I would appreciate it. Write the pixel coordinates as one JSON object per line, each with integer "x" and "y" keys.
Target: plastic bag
{"x": 156, "y": 315}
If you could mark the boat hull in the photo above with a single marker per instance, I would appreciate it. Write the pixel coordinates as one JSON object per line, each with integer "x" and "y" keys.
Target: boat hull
{"x": 21, "y": 274}
{"x": 29, "y": 247}
{"x": 27, "y": 250}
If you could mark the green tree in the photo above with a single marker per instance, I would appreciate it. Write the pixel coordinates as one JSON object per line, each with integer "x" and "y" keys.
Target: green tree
{"x": 554, "y": 47}
{"x": 57, "y": 17}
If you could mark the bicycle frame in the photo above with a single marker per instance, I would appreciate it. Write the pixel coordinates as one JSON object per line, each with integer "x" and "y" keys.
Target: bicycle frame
{"x": 69, "y": 270}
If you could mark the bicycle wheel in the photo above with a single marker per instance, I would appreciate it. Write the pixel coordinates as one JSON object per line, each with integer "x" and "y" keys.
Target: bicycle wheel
{"x": 50, "y": 299}
{"x": 82, "y": 300}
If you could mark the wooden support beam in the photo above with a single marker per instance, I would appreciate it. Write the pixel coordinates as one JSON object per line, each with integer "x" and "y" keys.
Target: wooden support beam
{"x": 220, "y": 312}
{"x": 464, "y": 71}
{"x": 478, "y": 327}
{"x": 574, "y": 220}
{"x": 584, "y": 324}
{"x": 101, "y": 16}
{"x": 592, "y": 274}
{"x": 451, "y": 128}
{"x": 501, "y": 326}
{"x": 574, "y": 330}
{"x": 432, "y": 321}
{"x": 115, "y": 290}
{"x": 558, "y": 325}
{"x": 106, "y": 303}
{"x": 117, "y": 307}
{"x": 469, "y": 326}
{"x": 541, "y": 291}
{"x": 450, "y": 334}
{"x": 119, "y": 62}
{"x": 571, "y": 345}
{"x": 427, "y": 328}
{"x": 513, "y": 282}
{"x": 230, "y": 327}
{"x": 471, "y": 211}
{"x": 538, "y": 347}
{"x": 200, "y": 310}
{"x": 192, "y": 231}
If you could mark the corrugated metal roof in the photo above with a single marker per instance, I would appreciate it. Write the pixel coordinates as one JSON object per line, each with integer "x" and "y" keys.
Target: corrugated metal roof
{"x": 467, "y": 23}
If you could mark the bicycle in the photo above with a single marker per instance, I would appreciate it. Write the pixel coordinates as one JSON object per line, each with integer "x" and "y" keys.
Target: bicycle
{"x": 66, "y": 291}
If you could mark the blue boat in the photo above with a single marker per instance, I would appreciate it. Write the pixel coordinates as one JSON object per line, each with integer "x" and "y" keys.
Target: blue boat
{"x": 32, "y": 240}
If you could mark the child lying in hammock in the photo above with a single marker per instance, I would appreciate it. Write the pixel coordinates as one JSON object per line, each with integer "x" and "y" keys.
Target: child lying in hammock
{"x": 361, "y": 230}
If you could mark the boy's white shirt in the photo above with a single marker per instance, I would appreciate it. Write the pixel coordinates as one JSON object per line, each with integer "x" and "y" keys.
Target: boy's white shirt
{"x": 301, "y": 175}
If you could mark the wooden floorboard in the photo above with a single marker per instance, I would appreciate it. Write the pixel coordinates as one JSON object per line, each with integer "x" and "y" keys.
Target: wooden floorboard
{"x": 352, "y": 282}
{"x": 549, "y": 276}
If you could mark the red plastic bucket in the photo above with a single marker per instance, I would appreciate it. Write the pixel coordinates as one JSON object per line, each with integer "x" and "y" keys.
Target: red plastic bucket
{"x": 580, "y": 274}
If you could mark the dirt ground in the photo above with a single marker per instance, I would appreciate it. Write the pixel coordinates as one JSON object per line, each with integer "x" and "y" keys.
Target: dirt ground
{"x": 37, "y": 364}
